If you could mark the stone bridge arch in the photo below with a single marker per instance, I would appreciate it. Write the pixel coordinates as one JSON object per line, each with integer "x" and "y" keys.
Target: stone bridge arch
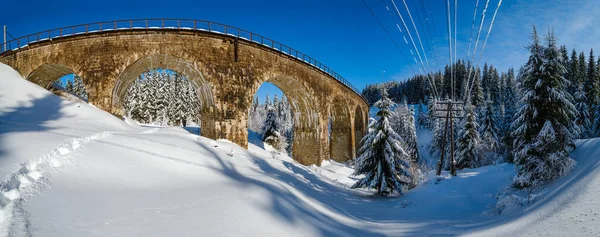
{"x": 307, "y": 143}
{"x": 189, "y": 69}
{"x": 227, "y": 70}
{"x": 48, "y": 70}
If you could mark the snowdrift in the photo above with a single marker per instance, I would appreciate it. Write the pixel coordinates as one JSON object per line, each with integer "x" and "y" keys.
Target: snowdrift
{"x": 70, "y": 169}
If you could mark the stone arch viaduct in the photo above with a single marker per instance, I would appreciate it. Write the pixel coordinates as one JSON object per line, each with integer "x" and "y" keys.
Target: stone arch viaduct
{"x": 226, "y": 64}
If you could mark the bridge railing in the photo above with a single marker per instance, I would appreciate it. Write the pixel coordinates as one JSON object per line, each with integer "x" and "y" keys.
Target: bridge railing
{"x": 179, "y": 24}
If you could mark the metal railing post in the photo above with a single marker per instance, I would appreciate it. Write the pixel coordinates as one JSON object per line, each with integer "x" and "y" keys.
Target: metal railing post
{"x": 4, "y": 38}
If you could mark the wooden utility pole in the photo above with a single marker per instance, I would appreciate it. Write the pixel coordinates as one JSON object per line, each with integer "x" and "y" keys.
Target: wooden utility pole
{"x": 452, "y": 167}
{"x": 441, "y": 161}
{"x": 449, "y": 108}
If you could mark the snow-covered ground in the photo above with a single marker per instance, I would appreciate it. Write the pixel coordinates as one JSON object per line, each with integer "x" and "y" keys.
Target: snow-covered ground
{"x": 69, "y": 169}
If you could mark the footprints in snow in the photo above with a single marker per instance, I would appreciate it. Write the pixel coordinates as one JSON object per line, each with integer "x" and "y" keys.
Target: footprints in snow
{"x": 32, "y": 171}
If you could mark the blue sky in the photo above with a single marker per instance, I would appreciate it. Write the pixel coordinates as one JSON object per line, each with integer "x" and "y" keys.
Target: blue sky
{"x": 343, "y": 34}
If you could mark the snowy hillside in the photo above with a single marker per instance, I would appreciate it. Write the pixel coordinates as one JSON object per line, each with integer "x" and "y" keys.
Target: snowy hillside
{"x": 69, "y": 169}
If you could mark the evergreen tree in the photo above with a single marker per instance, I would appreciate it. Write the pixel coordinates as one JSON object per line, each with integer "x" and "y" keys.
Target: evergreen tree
{"x": 509, "y": 112}
{"x": 70, "y": 87}
{"x": 565, "y": 58}
{"x": 582, "y": 71}
{"x": 547, "y": 160}
{"x": 489, "y": 132}
{"x": 494, "y": 88}
{"x": 477, "y": 92}
{"x": 78, "y": 87}
{"x": 543, "y": 136}
{"x": 257, "y": 117}
{"x": 583, "y": 119}
{"x": 403, "y": 123}
{"x": 272, "y": 131}
{"x": 468, "y": 154}
{"x": 381, "y": 159}
{"x": 432, "y": 121}
{"x": 485, "y": 81}
{"x": 595, "y": 131}
{"x": 421, "y": 117}
{"x": 591, "y": 85}
{"x": 573, "y": 73}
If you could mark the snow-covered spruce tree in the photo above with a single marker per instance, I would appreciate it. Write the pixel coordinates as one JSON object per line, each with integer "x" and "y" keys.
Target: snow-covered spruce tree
{"x": 272, "y": 134}
{"x": 592, "y": 89}
{"x": 595, "y": 131}
{"x": 432, "y": 121}
{"x": 78, "y": 87}
{"x": 583, "y": 119}
{"x": 573, "y": 73}
{"x": 403, "y": 123}
{"x": 489, "y": 133}
{"x": 477, "y": 92}
{"x": 468, "y": 154}
{"x": 175, "y": 107}
{"x": 544, "y": 123}
{"x": 69, "y": 87}
{"x": 381, "y": 157}
{"x": 287, "y": 121}
{"x": 255, "y": 120}
{"x": 548, "y": 160}
{"x": 509, "y": 101}
{"x": 421, "y": 117}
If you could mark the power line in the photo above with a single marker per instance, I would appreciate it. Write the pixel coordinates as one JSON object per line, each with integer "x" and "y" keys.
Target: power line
{"x": 389, "y": 35}
{"x": 475, "y": 48}
{"x": 414, "y": 45}
{"x": 449, "y": 28}
{"x": 487, "y": 36}
{"x": 480, "y": 27}
{"x": 455, "y": 58}
{"x": 489, "y": 30}
{"x": 417, "y": 32}
{"x": 472, "y": 28}
{"x": 431, "y": 35}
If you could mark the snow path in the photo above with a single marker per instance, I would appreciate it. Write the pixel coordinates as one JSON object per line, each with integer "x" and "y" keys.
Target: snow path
{"x": 569, "y": 207}
{"x": 15, "y": 189}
